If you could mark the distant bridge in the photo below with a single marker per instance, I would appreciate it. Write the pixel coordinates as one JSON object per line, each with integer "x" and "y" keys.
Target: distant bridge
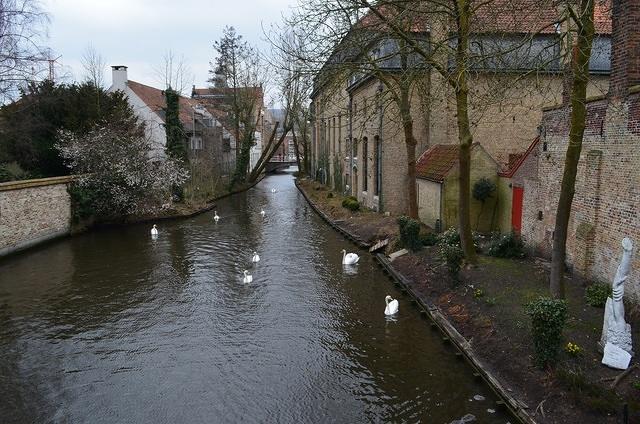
{"x": 279, "y": 162}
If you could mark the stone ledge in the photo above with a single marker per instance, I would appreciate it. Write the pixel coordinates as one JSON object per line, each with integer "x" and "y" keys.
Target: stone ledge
{"x": 39, "y": 182}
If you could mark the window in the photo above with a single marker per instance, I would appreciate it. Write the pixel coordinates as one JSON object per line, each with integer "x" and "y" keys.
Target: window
{"x": 195, "y": 143}
{"x": 365, "y": 160}
{"x": 226, "y": 144}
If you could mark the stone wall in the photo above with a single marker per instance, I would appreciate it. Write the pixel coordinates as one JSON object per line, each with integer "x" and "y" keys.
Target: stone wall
{"x": 607, "y": 197}
{"x": 33, "y": 211}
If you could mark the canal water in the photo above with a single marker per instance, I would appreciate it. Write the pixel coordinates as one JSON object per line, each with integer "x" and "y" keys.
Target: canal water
{"x": 116, "y": 327}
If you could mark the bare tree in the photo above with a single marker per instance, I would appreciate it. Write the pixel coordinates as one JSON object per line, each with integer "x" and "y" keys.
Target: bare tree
{"x": 22, "y": 57}
{"x": 94, "y": 66}
{"x": 174, "y": 72}
{"x": 583, "y": 18}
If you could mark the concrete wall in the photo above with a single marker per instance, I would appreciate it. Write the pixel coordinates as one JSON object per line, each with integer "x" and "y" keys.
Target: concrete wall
{"x": 429, "y": 202}
{"x": 33, "y": 211}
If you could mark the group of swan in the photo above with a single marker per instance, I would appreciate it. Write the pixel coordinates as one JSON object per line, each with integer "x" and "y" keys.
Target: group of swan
{"x": 392, "y": 304}
{"x": 248, "y": 278}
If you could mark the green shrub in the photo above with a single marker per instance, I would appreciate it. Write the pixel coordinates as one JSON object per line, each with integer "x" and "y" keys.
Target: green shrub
{"x": 12, "y": 172}
{"x": 597, "y": 293}
{"x": 508, "y": 245}
{"x": 453, "y": 256}
{"x": 548, "y": 317}
{"x": 351, "y": 203}
{"x": 82, "y": 202}
{"x": 429, "y": 239}
{"x": 451, "y": 237}
{"x": 409, "y": 233}
{"x": 483, "y": 189}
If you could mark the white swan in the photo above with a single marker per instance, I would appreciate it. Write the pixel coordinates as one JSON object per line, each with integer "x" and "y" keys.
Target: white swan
{"x": 262, "y": 212}
{"x": 154, "y": 230}
{"x": 392, "y": 305}
{"x": 215, "y": 216}
{"x": 255, "y": 257}
{"x": 273, "y": 190}
{"x": 349, "y": 258}
{"x": 247, "y": 277}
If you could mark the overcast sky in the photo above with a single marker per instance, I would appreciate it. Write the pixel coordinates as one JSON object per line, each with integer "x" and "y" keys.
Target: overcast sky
{"x": 137, "y": 33}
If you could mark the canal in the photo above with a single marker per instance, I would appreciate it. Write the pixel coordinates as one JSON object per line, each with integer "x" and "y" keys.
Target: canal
{"x": 113, "y": 326}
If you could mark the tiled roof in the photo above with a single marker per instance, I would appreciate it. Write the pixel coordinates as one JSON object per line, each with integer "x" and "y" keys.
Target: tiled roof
{"x": 513, "y": 16}
{"x": 155, "y": 99}
{"x": 513, "y": 166}
{"x": 437, "y": 161}
{"x": 531, "y": 16}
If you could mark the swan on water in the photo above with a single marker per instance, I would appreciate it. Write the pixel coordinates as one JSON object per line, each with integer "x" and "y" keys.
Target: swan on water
{"x": 215, "y": 216}
{"x": 255, "y": 257}
{"x": 154, "y": 230}
{"x": 392, "y": 305}
{"x": 262, "y": 212}
{"x": 247, "y": 277}
{"x": 349, "y": 258}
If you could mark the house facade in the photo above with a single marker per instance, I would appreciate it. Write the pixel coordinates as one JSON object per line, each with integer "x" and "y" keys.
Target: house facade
{"x": 209, "y": 144}
{"x": 358, "y": 144}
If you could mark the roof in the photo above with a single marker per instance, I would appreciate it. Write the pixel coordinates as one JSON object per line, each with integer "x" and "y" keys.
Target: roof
{"x": 513, "y": 167}
{"x": 532, "y": 16}
{"x": 437, "y": 161}
{"x": 155, "y": 99}
{"x": 221, "y": 92}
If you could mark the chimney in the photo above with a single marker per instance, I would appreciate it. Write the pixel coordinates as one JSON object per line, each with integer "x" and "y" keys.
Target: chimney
{"x": 625, "y": 47}
{"x": 118, "y": 77}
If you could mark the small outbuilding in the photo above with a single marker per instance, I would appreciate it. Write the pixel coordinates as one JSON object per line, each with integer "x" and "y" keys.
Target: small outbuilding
{"x": 437, "y": 173}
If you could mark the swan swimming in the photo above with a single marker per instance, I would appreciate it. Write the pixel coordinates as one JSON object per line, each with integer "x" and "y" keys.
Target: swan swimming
{"x": 262, "y": 212}
{"x": 154, "y": 230}
{"x": 349, "y": 258}
{"x": 392, "y": 305}
{"x": 255, "y": 257}
{"x": 215, "y": 216}
{"x": 247, "y": 277}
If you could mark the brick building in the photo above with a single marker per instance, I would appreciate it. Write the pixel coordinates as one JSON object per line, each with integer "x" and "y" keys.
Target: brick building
{"x": 607, "y": 197}
{"x": 358, "y": 145}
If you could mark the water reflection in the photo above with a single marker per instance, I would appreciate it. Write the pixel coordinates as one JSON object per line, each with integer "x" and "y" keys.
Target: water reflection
{"x": 113, "y": 326}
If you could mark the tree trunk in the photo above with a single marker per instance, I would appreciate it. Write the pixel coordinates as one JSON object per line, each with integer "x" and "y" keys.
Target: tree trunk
{"x": 580, "y": 68}
{"x": 464, "y": 131}
{"x": 262, "y": 164}
{"x": 410, "y": 144}
{"x": 295, "y": 146}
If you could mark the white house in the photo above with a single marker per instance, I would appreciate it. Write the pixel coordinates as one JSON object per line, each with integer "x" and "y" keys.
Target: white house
{"x": 154, "y": 124}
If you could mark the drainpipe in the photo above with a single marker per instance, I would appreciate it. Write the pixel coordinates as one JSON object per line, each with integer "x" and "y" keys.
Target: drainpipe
{"x": 379, "y": 147}
{"x": 351, "y": 144}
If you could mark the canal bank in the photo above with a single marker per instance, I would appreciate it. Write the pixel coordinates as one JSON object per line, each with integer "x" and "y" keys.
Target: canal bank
{"x": 484, "y": 317}
{"x": 117, "y": 326}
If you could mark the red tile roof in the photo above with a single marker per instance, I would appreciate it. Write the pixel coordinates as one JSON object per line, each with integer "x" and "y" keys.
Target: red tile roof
{"x": 532, "y": 16}
{"x": 512, "y": 16}
{"x": 513, "y": 166}
{"x": 155, "y": 99}
{"x": 437, "y": 161}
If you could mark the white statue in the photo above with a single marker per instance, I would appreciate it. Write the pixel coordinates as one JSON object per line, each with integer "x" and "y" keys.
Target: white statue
{"x": 614, "y": 329}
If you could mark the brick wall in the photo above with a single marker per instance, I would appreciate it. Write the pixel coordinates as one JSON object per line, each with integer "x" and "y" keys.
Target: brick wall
{"x": 33, "y": 211}
{"x": 607, "y": 199}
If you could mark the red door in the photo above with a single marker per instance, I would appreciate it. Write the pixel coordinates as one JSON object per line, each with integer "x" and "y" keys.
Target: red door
{"x": 516, "y": 209}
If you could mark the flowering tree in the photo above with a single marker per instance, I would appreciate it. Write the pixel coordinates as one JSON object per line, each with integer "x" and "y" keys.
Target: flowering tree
{"x": 116, "y": 172}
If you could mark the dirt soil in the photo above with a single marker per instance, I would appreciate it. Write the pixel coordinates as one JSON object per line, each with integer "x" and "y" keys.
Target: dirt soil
{"x": 487, "y": 307}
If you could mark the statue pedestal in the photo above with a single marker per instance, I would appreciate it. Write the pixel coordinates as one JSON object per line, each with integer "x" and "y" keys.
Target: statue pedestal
{"x": 619, "y": 336}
